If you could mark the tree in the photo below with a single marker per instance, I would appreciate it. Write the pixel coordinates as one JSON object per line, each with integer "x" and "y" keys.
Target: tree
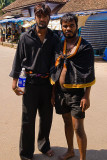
{"x": 2, "y": 3}
{"x": 9, "y": 1}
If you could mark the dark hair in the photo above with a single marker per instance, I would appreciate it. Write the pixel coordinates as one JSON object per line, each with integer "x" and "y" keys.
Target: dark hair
{"x": 42, "y": 8}
{"x": 68, "y": 17}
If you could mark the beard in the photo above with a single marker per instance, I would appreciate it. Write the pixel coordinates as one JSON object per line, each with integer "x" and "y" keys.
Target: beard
{"x": 42, "y": 26}
{"x": 68, "y": 36}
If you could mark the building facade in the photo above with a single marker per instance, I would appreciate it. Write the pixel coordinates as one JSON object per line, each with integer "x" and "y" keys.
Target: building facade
{"x": 22, "y": 8}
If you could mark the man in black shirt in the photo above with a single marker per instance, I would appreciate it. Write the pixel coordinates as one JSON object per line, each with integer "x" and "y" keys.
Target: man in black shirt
{"x": 35, "y": 53}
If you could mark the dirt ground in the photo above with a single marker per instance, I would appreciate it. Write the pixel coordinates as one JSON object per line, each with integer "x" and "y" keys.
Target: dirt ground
{"x": 10, "y": 117}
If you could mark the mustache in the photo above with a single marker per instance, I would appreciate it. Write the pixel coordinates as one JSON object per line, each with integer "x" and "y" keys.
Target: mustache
{"x": 42, "y": 22}
{"x": 68, "y": 32}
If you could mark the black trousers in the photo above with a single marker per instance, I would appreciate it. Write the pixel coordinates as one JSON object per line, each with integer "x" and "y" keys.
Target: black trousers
{"x": 36, "y": 97}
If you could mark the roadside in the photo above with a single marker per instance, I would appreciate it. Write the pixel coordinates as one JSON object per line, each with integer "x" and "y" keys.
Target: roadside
{"x": 10, "y": 117}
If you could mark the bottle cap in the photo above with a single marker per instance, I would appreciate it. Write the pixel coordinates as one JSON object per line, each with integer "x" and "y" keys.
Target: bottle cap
{"x": 23, "y": 69}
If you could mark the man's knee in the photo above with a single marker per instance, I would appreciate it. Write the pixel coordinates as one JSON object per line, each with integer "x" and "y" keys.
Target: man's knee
{"x": 79, "y": 129}
{"x": 67, "y": 120}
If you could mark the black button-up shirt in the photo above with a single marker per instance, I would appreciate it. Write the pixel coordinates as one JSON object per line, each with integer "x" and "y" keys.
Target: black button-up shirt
{"x": 33, "y": 55}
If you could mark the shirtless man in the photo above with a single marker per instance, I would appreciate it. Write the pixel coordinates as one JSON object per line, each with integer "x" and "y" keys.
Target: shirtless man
{"x": 74, "y": 76}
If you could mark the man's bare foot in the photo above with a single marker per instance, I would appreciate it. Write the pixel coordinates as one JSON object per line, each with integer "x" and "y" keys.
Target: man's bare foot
{"x": 49, "y": 153}
{"x": 67, "y": 155}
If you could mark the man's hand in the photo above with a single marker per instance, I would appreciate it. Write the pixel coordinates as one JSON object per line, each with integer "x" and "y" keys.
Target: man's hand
{"x": 85, "y": 101}
{"x": 85, "y": 104}
{"x": 18, "y": 91}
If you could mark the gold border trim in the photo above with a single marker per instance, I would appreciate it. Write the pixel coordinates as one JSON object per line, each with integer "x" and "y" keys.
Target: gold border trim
{"x": 64, "y": 51}
{"x": 78, "y": 44}
{"x": 79, "y": 85}
{"x": 51, "y": 81}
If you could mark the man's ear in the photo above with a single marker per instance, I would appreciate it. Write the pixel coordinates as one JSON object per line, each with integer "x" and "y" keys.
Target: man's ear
{"x": 35, "y": 17}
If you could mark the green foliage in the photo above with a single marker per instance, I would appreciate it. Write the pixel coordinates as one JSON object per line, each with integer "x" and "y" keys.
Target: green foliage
{"x": 1, "y": 12}
{"x": 9, "y": 1}
{"x": 4, "y": 3}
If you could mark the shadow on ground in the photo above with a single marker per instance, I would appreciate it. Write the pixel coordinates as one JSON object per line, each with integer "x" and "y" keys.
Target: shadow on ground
{"x": 91, "y": 154}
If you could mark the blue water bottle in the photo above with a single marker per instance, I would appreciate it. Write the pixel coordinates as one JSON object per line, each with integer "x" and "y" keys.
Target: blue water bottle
{"x": 22, "y": 80}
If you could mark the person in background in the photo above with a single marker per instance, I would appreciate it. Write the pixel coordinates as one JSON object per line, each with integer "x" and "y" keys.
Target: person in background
{"x": 8, "y": 33}
{"x": 16, "y": 36}
{"x": 35, "y": 53}
{"x": 22, "y": 29}
{"x": 73, "y": 77}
